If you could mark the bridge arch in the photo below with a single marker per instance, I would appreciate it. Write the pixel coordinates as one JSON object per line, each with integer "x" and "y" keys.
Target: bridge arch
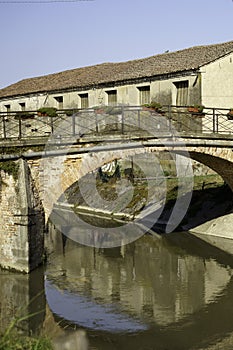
{"x": 57, "y": 174}
{"x": 221, "y": 166}
{"x": 218, "y": 159}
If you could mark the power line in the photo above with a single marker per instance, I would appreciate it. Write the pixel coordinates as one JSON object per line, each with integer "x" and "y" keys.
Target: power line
{"x": 38, "y": 1}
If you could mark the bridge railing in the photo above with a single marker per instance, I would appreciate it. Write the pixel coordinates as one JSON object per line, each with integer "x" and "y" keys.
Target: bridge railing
{"x": 114, "y": 120}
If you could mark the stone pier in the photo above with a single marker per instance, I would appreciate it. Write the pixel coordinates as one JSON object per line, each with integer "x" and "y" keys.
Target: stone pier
{"x": 21, "y": 221}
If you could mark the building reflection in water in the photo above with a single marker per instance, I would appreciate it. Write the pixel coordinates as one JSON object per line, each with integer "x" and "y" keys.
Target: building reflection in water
{"x": 151, "y": 287}
{"x": 148, "y": 279}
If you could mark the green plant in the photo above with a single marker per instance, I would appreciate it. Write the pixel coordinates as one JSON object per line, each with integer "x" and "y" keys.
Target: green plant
{"x": 10, "y": 167}
{"x": 153, "y": 104}
{"x": 47, "y": 111}
{"x": 12, "y": 340}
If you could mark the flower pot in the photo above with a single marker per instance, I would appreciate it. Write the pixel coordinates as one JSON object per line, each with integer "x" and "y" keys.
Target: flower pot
{"x": 193, "y": 110}
{"x": 42, "y": 114}
{"x": 230, "y": 115}
{"x": 196, "y": 111}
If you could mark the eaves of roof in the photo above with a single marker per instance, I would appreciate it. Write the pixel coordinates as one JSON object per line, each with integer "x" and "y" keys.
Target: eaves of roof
{"x": 154, "y": 67}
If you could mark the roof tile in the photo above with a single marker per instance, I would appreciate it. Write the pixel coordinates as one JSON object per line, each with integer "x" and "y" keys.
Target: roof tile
{"x": 166, "y": 63}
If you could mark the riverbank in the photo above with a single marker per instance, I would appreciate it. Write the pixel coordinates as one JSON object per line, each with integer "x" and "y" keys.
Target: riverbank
{"x": 208, "y": 202}
{"x": 15, "y": 341}
{"x": 211, "y": 198}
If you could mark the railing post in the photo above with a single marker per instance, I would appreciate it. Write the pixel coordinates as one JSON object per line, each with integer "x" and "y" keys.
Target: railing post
{"x": 20, "y": 127}
{"x": 51, "y": 124}
{"x": 96, "y": 122}
{"x": 122, "y": 119}
{"x": 73, "y": 124}
{"x": 4, "y": 126}
{"x": 139, "y": 119}
{"x": 169, "y": 118}
{"x": 214, "y": 120}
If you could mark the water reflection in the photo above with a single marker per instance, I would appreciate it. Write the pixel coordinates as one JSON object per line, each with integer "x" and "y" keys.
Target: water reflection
{"x": 88, "y": 313}
{"x": 172, "y": 292}
{"x": 22, "y": 295}
{"x": 149, "y": 287}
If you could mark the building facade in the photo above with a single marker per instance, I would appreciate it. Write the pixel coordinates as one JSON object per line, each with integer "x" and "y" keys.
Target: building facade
{"x": 197, "y": 75}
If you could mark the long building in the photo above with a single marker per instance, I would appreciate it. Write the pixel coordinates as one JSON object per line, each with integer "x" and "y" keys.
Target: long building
{"x": 196, "y": 75}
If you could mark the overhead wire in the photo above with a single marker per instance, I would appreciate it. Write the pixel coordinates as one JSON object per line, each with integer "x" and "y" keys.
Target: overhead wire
{"x": 38, "y": 1}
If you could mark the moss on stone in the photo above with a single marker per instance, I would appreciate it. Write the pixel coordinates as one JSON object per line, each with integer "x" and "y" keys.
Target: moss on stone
{"x": 21, "y": 149}
{"x": 10, "y": 167}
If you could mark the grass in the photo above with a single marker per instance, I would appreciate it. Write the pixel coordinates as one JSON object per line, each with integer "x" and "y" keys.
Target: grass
{"x": 200, "y": 183}
{"x": 11, "y": 339}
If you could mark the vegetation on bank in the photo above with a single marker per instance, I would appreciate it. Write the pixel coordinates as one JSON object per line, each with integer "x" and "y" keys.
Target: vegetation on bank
{"x": 108, "y": 190}
{"x": 13, "y": 341}
{"x": 210, "y": 197}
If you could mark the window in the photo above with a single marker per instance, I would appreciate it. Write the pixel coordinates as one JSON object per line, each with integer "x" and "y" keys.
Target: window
{"x": 182, "y": 93}
{"x": 144, "y": 94}
{"x": 8, "y": 108}
{"x": 59, "y": 100}
{"x": 84, "y": 100}
{"x": 112, "y": 97}
{"x": 23, "y": 106}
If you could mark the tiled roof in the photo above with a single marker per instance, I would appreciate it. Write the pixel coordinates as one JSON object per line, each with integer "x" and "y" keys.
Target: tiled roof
{"x": 85, "y": 77}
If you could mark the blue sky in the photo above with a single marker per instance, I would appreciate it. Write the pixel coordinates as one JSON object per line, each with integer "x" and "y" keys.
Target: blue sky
{"x": 38, "y": 39}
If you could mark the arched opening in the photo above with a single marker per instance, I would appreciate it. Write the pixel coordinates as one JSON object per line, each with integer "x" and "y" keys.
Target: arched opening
{"x": 120, "y": 186}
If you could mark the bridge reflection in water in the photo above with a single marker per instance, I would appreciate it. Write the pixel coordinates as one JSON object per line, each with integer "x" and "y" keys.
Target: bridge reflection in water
{"x": 151, "y": 292}
{"x": 169, "y": 292}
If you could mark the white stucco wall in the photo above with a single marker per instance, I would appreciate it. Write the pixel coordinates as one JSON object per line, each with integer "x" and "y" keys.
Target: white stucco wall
{"x": 163, "y": 91}
{"x": 217, "y": 83}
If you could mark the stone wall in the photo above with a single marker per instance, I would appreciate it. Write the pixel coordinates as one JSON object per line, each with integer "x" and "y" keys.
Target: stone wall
{"x": 21, "y": 221}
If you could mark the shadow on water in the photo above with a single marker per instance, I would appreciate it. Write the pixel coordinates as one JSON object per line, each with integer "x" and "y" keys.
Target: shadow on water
{"x": 170, "y": 292}
{"x": 22, "y": 295}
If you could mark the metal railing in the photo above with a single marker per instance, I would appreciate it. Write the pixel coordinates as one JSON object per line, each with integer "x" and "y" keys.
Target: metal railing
{"x": 132, "y": 120}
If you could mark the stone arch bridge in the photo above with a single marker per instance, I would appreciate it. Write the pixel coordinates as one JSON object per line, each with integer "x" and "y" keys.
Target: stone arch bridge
{"x": 27, "y": 201}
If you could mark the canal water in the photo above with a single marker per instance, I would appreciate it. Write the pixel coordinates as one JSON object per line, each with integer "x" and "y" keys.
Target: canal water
{"x": 170, "y": 292}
